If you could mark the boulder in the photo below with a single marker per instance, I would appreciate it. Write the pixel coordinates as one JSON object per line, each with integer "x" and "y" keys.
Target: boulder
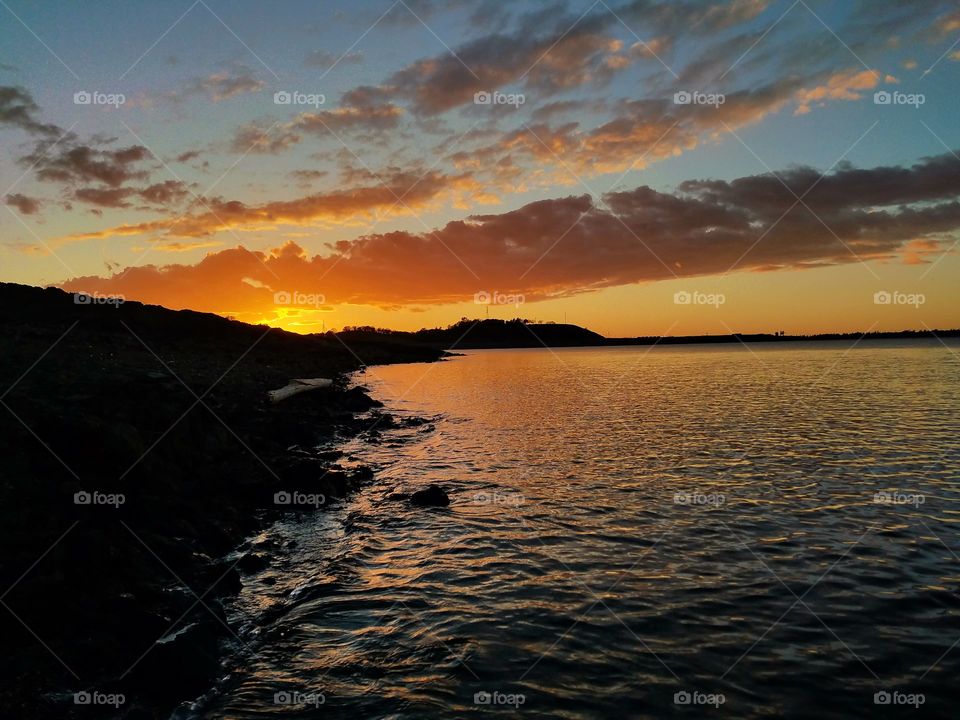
{"x": 431, "y": 496}
{"x": 183, "y": 663}
{"x": 253, "y": 562}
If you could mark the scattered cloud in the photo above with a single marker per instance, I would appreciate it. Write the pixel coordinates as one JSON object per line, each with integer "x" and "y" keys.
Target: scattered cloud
{"x": 576, "y": 244}
{"x": 325, "y": 60}
{"x": 841, "y": 86}
{"x": 73, "y": 162}
{"x": 349, "y": 118}
{"x": 221, "y": 85}
{"x": 26, "y": 205}
{"x": 188, "y": 156}
{"x": 642, "y": 132}
{"x": 263, "y": 139}
{"x": 572, "y": 53}
{"x": 18, "y": 109}
{"x": 163, "y": 195}
{"x": 307, "y": 176}
{"x": 216, "y": 215}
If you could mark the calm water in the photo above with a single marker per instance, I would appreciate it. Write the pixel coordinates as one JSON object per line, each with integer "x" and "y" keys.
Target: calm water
{"x": 627, "y": 524}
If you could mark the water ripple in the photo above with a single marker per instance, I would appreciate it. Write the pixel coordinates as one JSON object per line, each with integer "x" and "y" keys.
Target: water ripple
{"x": 779, "y": 526}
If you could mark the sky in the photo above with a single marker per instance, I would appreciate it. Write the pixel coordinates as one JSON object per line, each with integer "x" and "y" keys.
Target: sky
{"x": 637, "y": 167}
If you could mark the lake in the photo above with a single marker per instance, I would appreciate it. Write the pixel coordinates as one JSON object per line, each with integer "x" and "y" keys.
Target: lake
{"x": 739, "y": 531}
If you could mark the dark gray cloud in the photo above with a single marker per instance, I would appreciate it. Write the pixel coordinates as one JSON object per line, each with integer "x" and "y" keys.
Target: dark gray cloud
{"x": 26, "y": 205}
{"x": 163, "y": 195}
{"x": 72, "y": 162}
{"x": 18, "y": 109}
{"x": 91, "y": 171}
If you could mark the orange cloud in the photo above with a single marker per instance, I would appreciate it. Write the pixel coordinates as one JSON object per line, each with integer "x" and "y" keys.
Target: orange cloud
{"x": 842, "y": 86}
{"x": 643, "y": 132}
{"x": 573, "y": 245}
{"x": 397, "y": 193}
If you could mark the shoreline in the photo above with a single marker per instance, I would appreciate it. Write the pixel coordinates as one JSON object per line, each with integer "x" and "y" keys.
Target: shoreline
{"x": 143, "y": 452}
{"x": 744, "y": 338}
{"x": 279, "y": 538}
{"x": 735, "y": 343}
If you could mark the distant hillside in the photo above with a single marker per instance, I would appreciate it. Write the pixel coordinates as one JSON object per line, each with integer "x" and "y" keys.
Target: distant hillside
{"x": 774, "y": 337}
{"x": 478, "y": 334}
{"x": 30, "y": 314}
{"x": 481, "y": 334}
{"x": 510, "y": 333}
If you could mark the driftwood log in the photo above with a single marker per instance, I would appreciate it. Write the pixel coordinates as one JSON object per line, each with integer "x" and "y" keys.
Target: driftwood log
{"x": 296, "y": 386}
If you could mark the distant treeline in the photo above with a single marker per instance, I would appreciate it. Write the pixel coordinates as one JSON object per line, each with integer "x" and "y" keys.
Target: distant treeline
{"x": 775, "y": 337}
{"x": 469, "y": 334}
{"x": 475, "y": 334}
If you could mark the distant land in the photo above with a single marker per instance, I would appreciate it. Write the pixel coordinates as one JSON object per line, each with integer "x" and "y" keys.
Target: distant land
{"x": 519, "y": 333}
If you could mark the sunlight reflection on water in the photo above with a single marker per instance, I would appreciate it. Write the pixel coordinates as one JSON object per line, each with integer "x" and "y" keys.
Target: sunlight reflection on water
{"x": 627, "y": 524}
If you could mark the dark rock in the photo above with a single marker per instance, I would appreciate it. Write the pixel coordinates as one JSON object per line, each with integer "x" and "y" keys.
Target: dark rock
{"x": 300, "y": 473}
{"x": 362, "y": 473}
{"x": 432, "y": 496}
{"x": 227, "y": 582}
{"x": 356, "y": 400}
{"x": 264, "y": 542}
{"x": 183, "y": 663}
{"x": 253, "y": 562}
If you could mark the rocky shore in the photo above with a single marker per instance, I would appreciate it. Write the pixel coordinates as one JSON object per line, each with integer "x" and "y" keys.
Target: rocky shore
{"x": 139, "y": 450}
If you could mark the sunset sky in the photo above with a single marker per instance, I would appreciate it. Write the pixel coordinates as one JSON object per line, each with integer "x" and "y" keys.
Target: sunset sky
{"x": 321, "y": 164}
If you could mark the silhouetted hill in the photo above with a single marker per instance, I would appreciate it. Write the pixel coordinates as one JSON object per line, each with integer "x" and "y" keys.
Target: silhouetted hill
{"x": 26, "y": 311}
{"x": 479, "y": 334}
{"x": 487, "y": 334}
{"x": 139, "y": 448}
